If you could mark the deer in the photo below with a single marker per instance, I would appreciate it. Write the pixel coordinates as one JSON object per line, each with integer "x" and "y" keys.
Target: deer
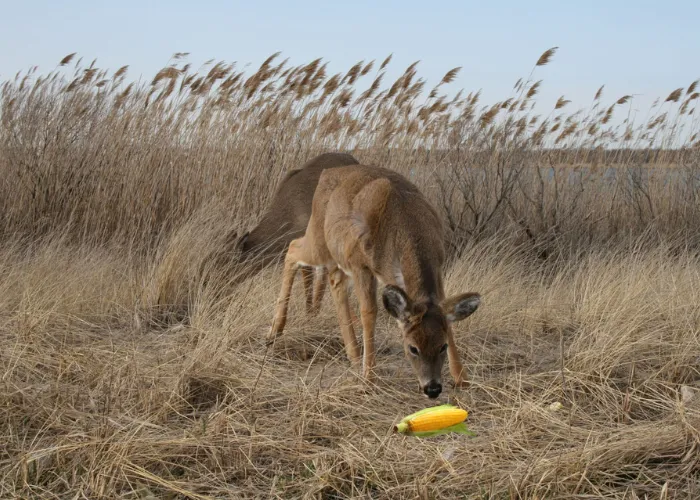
{"x": 286, "y": 219}
{"x": 371, "y": 225}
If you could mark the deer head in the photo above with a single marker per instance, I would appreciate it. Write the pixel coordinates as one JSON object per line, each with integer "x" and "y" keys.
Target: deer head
{"x": 426, "y": 331}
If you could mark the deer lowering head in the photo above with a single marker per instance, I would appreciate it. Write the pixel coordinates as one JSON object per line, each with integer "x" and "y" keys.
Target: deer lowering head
{"x": 371, "y": 225}
{"x": 425, "y": 327}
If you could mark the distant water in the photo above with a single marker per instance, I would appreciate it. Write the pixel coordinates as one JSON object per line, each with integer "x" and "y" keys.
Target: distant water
{"x": 615, "y": 175}
{"x": 635, "y": 175}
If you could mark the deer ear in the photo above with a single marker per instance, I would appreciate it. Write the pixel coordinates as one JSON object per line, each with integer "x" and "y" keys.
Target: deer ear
{"x": 461, "y": 306}
{"x": 397, "y": 303}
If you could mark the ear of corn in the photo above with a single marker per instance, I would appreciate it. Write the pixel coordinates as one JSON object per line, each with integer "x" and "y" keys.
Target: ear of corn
{"x": 434, "y": 421}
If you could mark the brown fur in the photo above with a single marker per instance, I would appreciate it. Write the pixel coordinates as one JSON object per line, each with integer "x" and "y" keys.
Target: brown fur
{"x": 374, "y": 225}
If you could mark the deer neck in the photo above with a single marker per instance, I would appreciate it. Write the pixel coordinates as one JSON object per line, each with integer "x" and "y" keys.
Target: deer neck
{"x": 421, "y": 277}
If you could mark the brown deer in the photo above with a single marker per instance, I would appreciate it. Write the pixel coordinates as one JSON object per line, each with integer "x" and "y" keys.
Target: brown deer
{"x": 285, "y": 220}
{"x": 371, "y": 224}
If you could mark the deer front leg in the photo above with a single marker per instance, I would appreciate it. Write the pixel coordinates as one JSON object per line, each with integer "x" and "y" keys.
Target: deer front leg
{"x": 339, "y": 290}
{"x": 366, "y": 290}
{"x": 456, "y": 368}
{"x": 295, "y": 254}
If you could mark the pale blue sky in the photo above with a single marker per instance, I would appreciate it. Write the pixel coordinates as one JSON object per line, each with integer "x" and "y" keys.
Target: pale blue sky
{"x": 634, "y": 47}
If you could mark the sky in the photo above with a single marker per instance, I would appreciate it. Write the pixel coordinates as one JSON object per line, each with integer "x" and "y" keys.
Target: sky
{"x": 643, "y": 48}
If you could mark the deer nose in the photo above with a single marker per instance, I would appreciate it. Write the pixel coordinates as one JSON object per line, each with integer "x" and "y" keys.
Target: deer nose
{"x": 433, "y": 389}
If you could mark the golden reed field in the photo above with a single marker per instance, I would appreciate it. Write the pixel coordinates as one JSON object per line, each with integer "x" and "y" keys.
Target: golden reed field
{"x": 133, "y": 362}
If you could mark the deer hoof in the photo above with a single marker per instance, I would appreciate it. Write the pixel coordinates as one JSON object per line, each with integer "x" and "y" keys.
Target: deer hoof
{"x": 370, "y": 376}
{"x": 272, "y": 334}
{"x": 461, "y": 383}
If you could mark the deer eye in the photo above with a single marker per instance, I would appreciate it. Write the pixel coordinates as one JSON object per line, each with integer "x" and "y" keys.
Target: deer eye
{"x": 443, "y": 349}
{"x": 413, "y": 350}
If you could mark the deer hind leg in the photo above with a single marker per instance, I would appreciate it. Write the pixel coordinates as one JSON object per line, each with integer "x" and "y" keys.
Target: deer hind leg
{"x": 292, "y": 261}
{"x": 320, "y": 280}
{"x": 307, "y": 277}
{"x": 339, "y": 290}
{"x": 366, "y": 291}
{"x": 456, "y": 368}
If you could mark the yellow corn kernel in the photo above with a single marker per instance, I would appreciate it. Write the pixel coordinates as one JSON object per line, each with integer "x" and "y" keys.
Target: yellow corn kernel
{"x": 434, "y": 420}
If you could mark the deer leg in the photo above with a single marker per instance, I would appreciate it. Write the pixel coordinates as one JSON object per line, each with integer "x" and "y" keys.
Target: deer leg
{"x": 339, "y": 290}
{"x": 366, "y": 291}
{"x": 321, "y": 277}
{"x": 456, "y": 368}
{"x": 307, "y": 277}
{"x": 295, "y": 255}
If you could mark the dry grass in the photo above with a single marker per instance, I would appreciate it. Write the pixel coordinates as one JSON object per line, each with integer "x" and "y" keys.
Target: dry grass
{"x": 127, "y": 372}
{"x": 93, "y": 404}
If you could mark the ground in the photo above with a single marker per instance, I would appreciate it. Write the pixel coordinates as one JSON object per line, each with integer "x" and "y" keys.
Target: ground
{"x": 106, "y": 397}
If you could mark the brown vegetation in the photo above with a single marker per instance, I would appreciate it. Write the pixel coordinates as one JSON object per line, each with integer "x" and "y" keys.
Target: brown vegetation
{"x": 124, "y": 372}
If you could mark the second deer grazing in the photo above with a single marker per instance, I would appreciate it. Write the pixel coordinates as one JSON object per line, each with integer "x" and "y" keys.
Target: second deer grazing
{"x": 284, "y": 220}
{"x": 372, "y": 225}
{"x": 287, "y": 218}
